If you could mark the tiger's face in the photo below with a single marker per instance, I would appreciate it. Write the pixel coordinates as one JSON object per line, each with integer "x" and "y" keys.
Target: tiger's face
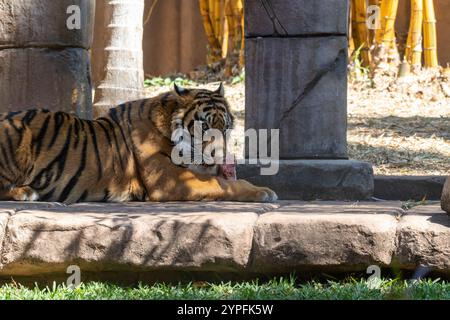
{"x": 203, "y": 110}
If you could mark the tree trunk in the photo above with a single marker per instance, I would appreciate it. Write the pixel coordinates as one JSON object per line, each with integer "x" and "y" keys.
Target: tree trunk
{"x": 122, "y": 78}
{"x": 44, "y": 55}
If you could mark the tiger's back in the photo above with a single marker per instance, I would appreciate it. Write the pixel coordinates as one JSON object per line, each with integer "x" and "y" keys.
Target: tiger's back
{"x": 55, "y": 156}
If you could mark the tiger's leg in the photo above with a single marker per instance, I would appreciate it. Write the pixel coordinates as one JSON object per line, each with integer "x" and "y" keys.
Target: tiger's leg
{"x": 24, "y": 194}
{"x": 16, "y": 165}
{"x": 165, "y": 181}
{"x": 9, "y": 192}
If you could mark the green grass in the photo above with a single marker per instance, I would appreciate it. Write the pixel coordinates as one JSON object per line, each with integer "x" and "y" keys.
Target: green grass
{"x": 283, "y": 289}
{"x": 168, "y": 81}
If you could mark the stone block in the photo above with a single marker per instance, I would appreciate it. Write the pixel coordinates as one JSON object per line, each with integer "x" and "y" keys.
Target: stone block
{"x": 408, "y": 187}
{"x": 315, "y": 179}
{"x": 330, "y": 236}
{"x": 423, "y": 237}
{"x": 266, "y": 18}
{"x": 445, "y": 198}
{"x": 43, "y": 23}
{"x": 58, "y": 80}
{"x": 4, "y": 217}
{"x": 299, "y": 86}
{"x": 114, "y": 237}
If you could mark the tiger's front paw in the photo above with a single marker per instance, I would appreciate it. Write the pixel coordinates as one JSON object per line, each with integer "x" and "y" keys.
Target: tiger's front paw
{"x": 245, "y": 191}
{"x": 24, "y": 194}
{"x": 266, "y": 195}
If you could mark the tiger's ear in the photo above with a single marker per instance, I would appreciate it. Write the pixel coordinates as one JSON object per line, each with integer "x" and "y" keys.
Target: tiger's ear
{"x": 180, "y": 90}
{"x": 221, "y": 90}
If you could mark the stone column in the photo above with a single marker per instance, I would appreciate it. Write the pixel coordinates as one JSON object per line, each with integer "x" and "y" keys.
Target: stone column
{"x": 296, "y": 81}
{"x": 43, "y": 62}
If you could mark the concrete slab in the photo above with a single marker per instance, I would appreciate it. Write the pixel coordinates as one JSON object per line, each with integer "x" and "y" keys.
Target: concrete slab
{"x": 445, "y": 198}
{"x": 423, "y": 236}
{"x": 4, "y": 217}
{"x": 105, "y": 237}
{"x": 339, "y": 236}
{"x": 43, "y": 239}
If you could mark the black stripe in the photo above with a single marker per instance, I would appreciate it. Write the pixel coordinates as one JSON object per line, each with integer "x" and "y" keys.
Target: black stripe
{"x": 106, "y": 196}
{"x": 6, "y": 159}
{"x": 12, "y": 114}
{"x": 74, "y": 180}
{"x": 122, "y": 109}
{"x": 3, "y": 176}
{"x": 130, "y": 122}
{"x": 62, "y": 156}
{"x": 83, "y": 196}
{"x": 30, "y": 169}
{"x": 29, "y": 116}
{"x": 108, "y": 137}
{"x": 113, "y": 114}
{"x": 47, "y": 196}
{"x": 60, "y": 160}
{"x": 76, "y": 132}
{"x": 116, "y": 143}
{"x": 46, "y": 175}
{"x": 59, "y": 121}
{"x": 18, "y": 130}
{"x": 141, "y": 108}
{"x": 12, "y": 149}
{"x": 165, "y": 98}
{"x": 40, "y": 136}
{"x": 97, "y": 152}
{"x": 188, "y": 112}
{"x": 12, "y": 124}
{"x": 202, "y": 94}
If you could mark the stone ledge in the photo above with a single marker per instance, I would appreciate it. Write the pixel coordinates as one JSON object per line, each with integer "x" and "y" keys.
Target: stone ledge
{"x": 315, "y": 179}
{"x": 238, "y": 238}
{"x": 423, "y": 237}
{"x": 408, "y": 187}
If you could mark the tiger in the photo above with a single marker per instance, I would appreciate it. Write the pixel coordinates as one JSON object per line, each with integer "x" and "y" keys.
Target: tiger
{"x": 122, "y": 156}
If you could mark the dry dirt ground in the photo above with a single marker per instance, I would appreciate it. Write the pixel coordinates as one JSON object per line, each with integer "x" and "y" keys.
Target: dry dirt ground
{"x": 401, "y": 126}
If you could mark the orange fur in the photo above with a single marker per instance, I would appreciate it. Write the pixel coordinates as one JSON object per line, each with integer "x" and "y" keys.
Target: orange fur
{"x": 124, "y": 156}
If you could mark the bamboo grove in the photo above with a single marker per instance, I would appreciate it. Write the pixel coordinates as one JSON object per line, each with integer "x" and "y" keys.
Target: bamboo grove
{"x": 379, "y": 44}
{"x": 223, "y": 21}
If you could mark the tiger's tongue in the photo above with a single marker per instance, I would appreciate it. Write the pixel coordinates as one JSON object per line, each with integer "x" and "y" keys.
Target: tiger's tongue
{"x": 228, "y": 169}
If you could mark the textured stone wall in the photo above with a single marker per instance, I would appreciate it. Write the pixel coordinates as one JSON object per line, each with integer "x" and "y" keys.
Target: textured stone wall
{"x": 43, "y": 64}
{"x": 296, "y": 80}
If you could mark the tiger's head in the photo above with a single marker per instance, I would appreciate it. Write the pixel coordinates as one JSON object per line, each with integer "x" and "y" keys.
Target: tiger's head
{"x": 202, "y": 110}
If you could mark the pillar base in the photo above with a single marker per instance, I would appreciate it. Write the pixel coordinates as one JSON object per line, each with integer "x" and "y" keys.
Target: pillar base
{"x": 315, "y": 179}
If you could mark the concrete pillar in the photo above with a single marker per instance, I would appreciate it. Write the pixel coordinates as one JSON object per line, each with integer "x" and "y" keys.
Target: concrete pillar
{"x": 43, "y": 62}
{"x": 296, "y": 81}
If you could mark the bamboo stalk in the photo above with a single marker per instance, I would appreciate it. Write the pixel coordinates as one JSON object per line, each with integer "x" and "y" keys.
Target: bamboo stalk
{"x": 360, "y": 31}
{"x": 216, "y": 20}
{"x": 214, "y": 44}
{"x": 372, "y": 33}
{"x": 239, "y": 12}
{"x": 386, "y": 35}
{"x": 231, "y": 35}
{"x": 385, "y": 49}
{"x": 413, "y": 52}
{"x": 430, "y": 37}
{"x": 225, "y": 26}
